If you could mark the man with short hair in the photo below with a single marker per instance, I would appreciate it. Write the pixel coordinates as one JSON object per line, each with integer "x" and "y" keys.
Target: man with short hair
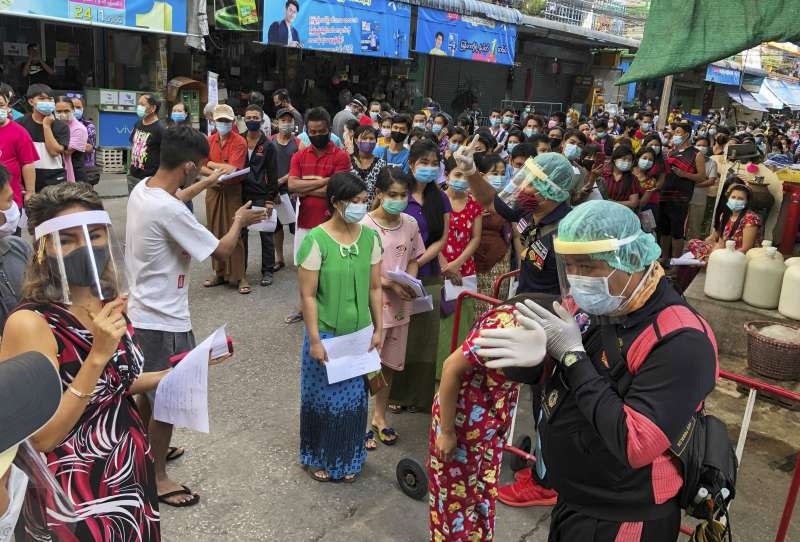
{"x": 50, "y": 136}
{"x": 572, "y": 148}
{"x": 352, "y": 110}
{"x": 282, "y": 32}
{"x": 309, "y": 172}
{"x": 18, "y": 154}
{"x": 35, "y": 70}
{"x": 396, "y": 153}
{"x": 145, "y": 141}
{"x": 496, "y": 128}
{"x": 420, "y": 121}
{"x": 687, "y": 168}
{"x": 603, "y": 138}
{"x": 285, "y": 145}
{"x": 260, "y": 186}
{"x": 282, "y": 100}
{"x": 161, "y": 238}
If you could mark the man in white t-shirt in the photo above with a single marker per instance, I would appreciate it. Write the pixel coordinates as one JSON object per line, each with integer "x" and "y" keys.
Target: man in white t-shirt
{"x": 161, "y": 239}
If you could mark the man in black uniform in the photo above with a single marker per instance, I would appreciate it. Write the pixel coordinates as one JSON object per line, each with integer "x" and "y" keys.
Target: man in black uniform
{"x": 633, "y": 364}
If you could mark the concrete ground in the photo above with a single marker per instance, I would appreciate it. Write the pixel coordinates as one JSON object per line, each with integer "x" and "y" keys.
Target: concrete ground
{"x": 246, "y": 468}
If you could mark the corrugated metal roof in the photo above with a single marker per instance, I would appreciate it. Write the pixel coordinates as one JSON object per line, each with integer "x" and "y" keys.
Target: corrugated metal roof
{"x": 473, "y": 7}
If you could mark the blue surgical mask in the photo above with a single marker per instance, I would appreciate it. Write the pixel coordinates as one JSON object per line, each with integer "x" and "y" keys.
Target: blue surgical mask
{"x": 529, "y": 132}
{"x": 140, "y": 110}
{"x": 646, "y": 126}
{"x": 78, "y": 114}
{"x": 45, "y": 108}
{"x": 224, "y": 128}
{"x": 623, "y": 165}
{"x": 497, "y": 181}
{"x": 354, "y": 212}
{"x": 510, "y": 147}
{"x": 736, "y": 205}
{"x": 426, "y": 174}
{"x": 436, "y": 128}
{"x": 395, "y": 206}
{"x": 458, "y": 185}
{"x": 494, "y": 121}
{"x": 3, "y": 115}
{"x": 645, "y": 164}
{"x": 572, "y": 151}
{"x": 677, "y": 140}
{"x": 419, "y": 125}
{"x": 177, "y": 116}
{"x": 508, "y": 120}
{"x": 592, "y": 294}
{"x": 454, "y": 147}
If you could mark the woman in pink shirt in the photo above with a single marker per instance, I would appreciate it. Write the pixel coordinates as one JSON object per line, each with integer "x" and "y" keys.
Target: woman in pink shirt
{"x": 78, "y": 136}
{"x": 402, "y": 245}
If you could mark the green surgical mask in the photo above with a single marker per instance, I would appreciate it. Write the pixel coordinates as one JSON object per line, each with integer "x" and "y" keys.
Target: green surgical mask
{"x": 395, "y": 206}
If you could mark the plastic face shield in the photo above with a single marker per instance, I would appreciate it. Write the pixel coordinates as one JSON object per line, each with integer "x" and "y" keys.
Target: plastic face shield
{"x": 575, "y": 258}
{"x": 82, "y": 255}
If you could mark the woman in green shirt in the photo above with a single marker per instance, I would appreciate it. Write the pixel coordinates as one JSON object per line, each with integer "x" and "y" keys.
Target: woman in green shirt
{"x": 340, "y": 291}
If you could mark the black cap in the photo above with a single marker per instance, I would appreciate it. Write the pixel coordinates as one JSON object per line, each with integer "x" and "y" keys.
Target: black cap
{"x": 283, "y": 111}
{"x": 360, "y": 100}
{"x": 31, "y": 390}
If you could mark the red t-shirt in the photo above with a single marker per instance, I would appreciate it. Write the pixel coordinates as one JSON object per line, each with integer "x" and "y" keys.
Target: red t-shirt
{"x": 233, "y": 151}
{"x": 332, "y": 159}
{"x": 16, "y": 150}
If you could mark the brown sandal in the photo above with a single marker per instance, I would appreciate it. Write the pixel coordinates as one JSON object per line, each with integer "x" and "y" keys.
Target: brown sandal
{"x": 244, "y": 287}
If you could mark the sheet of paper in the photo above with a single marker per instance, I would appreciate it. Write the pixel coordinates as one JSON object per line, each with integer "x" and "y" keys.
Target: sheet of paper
{"x": 422, "y": 304}
{"x": 268, "y": 224}
{"x": 237, "y": 173}
{"x": 468, "y": 284}
{"x": 182, "y": 395}
{"x": 404, "y": 278}
{"x": 348, "y": 356}
{"x": 286, "y": 210}
{"x": 687, "y": 259}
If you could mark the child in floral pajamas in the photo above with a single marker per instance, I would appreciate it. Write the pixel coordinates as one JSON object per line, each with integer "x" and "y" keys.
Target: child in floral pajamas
{"x": 472, "y": 414}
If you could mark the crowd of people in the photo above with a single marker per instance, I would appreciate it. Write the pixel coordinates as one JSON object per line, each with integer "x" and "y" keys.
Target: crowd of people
{"x": 590, "y": 210}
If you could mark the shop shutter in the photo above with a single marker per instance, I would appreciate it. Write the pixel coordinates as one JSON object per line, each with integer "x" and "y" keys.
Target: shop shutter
{"x": 489, "y": 80}
{"x": 547, "y": 86}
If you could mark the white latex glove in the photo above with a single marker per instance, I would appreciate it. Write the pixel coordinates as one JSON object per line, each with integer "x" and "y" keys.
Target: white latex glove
{"x": 563, "y": 332}
{"x": 464, "y": 159}
{"x": 522, "y": 346}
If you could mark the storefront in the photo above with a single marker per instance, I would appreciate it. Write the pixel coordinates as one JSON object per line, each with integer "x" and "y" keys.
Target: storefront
{"x": 107, "y": 52}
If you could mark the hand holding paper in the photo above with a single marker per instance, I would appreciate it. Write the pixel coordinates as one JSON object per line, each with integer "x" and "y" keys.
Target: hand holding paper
{"x": 352, "y": 355}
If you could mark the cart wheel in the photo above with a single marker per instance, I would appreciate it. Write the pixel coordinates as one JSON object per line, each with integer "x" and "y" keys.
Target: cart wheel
{"x": 412, "y": 479}
{"x": 516, "y": 462}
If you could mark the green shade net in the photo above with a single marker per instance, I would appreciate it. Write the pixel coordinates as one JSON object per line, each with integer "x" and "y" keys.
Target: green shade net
{"x": 683, "y": 34}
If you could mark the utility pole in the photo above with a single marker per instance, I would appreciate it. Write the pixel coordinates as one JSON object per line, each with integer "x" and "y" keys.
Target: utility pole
{"x": 663, "y": 107}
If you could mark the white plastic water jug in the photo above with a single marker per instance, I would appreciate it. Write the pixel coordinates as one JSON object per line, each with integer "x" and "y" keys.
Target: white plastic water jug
{"x": 760, "y": 251}
{"x": 725, "y": 273}
{"x": 789, "y": 304}
{"x": 792, "y": 261}
{"x": 762, "y": 287}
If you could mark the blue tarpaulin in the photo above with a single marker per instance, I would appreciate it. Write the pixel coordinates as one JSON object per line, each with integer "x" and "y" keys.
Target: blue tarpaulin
{"x": 784, "y": 92}
{"x": 745, "y": 98}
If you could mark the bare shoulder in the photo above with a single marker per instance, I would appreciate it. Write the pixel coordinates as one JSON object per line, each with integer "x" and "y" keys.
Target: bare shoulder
{"x": 25, "y": 331}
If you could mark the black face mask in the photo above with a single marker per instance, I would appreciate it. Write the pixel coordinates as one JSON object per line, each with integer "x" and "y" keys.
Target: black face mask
{"x": 78, "y": 265}
{"x": 555, "y": 143}
{"x": 320, "y": 141}
{"x": 253, "y": 125}
{"x": 478, "y": 157}
{"x": 398, "y": 137}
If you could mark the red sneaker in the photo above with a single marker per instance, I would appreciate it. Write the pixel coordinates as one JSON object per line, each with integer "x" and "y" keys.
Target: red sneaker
{"x": 526, "y": 492}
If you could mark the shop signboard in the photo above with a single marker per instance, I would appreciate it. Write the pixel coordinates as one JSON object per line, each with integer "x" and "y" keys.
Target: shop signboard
{"x": 115, "y": 128}
{"x": 442, "y": 33}
{"x": 357, "y": 27}
{"x": 156, "y": 15}
{"x": 723, "y": 76}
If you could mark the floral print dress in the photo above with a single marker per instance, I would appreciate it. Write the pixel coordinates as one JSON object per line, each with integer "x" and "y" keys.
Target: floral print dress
{"x": 463, "y": 491}
{"x": 460, "y": 234}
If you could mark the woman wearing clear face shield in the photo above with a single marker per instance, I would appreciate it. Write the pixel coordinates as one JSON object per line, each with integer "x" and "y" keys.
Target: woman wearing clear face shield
{"x": 73, "y": 312}
{"x": 632, "y": 363}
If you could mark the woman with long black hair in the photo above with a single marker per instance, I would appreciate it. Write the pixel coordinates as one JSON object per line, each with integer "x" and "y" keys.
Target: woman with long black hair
{"x": 365, "y": 164}
{"x": 413, "y": 388}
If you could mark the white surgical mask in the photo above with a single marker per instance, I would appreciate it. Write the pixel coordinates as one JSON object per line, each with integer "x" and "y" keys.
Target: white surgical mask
{"x": 12, "y": 215}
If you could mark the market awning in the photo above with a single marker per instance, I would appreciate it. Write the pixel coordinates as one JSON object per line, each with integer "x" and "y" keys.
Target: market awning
{"x": 746, "y": 99}
{"x": 682, "y": 34}
{"x": 783, "y": 92}
{"x": 472, "y": 7}
{"x": 766, "y": 97}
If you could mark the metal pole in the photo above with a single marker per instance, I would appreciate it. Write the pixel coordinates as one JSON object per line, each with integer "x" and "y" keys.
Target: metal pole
{"x": 663, "y": 108}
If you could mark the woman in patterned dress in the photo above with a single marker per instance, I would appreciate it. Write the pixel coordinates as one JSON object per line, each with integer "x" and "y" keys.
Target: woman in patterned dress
{"x": 456, "y": 258}
{"x": 95, "y": 445}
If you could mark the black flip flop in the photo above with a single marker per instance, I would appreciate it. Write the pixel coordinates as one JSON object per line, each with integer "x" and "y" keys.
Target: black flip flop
{"x": 174, "y": 453}
{"x": 278, "y": 266}
{"x": 185, "y": 491}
